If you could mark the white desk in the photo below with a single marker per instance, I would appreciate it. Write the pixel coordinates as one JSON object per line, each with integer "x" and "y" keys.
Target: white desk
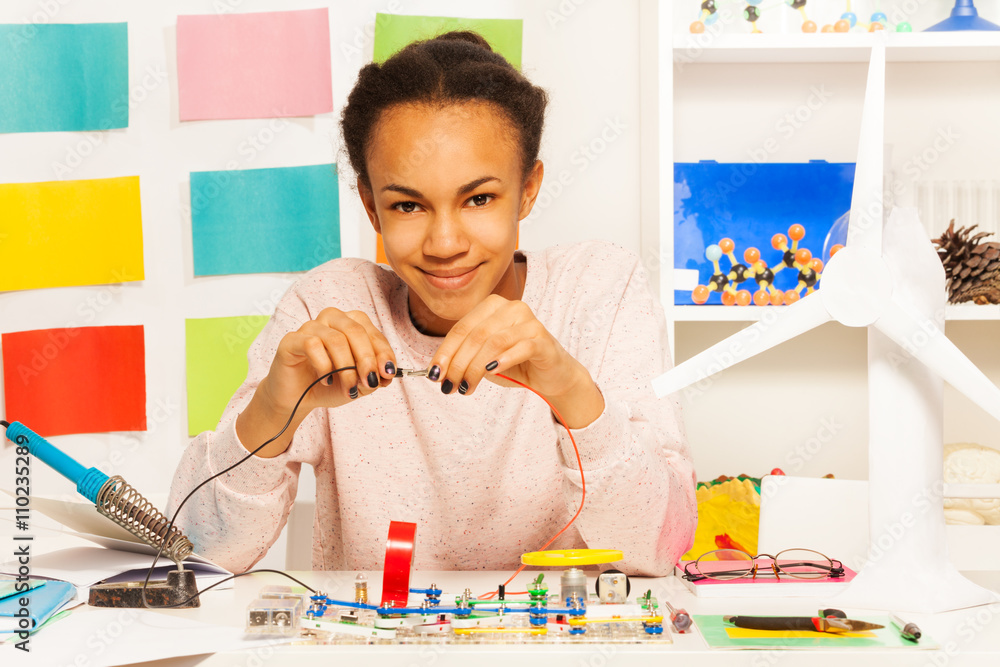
{"x": 969, "y": 637}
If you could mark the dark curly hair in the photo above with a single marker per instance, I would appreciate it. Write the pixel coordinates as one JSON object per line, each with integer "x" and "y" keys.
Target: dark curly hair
{"x": 454, "y": 67}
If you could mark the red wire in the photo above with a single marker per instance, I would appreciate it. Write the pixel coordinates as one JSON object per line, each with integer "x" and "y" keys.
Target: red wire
{"x": 583, "y": 485}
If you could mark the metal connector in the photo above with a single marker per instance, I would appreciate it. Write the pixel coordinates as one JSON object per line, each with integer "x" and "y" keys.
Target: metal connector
{"x": 412, "y": 372}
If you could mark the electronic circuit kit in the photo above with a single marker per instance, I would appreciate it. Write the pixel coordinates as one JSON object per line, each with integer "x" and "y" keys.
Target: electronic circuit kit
{"x": 567, "y": 613}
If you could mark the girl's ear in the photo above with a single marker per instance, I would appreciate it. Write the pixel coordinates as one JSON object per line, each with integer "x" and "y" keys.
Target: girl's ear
{"x": 532, "y": 186}
{"x": 368, "y": 200}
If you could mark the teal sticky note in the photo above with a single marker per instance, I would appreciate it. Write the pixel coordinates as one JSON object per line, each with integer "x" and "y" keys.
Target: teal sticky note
{"x": 63, "y": 77}
{"x": 264, "y": 220}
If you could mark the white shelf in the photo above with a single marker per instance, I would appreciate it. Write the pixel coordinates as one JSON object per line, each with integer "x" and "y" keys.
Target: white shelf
{"x": 754, "y": 313}
{"x": 835, "y": 47}
{"x": 971, "y": 312}
{"x": 717, "y": 313}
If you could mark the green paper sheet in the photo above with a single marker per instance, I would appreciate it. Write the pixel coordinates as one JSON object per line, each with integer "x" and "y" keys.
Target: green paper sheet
{"x": 63, "y": 77}
{"x": 394, "y": 31}
{"x": 216, "y": 353}
{"x": 714, "y": 631}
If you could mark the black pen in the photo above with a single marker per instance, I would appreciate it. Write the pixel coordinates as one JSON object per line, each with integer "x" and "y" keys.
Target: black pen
{"x": 807, "y": 623}
{"x": 906, "y": 630}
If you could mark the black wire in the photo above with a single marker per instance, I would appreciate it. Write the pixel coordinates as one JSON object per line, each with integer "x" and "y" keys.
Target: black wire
{"x": 5, "y": 424}
{"x": 165, "y": 533}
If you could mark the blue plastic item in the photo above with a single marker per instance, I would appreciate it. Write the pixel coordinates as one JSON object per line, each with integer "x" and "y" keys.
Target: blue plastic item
{"x": 750, "y": 203}
{"x": 88, "y": 480}
{"x": 964, "y": 16}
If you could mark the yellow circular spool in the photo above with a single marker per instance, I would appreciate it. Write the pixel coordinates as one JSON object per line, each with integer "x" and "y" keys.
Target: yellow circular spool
{"x": 571, "y": 557}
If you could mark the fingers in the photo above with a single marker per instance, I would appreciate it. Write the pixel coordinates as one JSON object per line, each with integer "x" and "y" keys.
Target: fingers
{"x": 470, "y": 333}
{"x": 353, "y": 337}
{"x": 375, "y": 360}
{"x": 328, "y": 349}
{"x": 336, "y": 339}
{"x": 509, "y": 335}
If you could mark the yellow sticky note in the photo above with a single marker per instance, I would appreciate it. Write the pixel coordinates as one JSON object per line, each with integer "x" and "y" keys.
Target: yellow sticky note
{"x": 65, "y": 233}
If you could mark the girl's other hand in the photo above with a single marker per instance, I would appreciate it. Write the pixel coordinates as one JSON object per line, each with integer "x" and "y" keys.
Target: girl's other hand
{"x": 504, "y": 336}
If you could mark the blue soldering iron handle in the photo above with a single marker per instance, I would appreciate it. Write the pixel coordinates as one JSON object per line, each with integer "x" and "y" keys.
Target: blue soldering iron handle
{"x": 88, "y": 480}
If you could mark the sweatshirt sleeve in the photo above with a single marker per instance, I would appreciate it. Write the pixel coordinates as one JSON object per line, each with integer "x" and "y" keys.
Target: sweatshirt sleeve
{"x": 234, "y": 519}
{"x": 639, "y": 474}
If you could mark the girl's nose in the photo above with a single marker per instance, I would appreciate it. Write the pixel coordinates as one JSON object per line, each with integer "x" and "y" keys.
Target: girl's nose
{"x": 446, "y": 236}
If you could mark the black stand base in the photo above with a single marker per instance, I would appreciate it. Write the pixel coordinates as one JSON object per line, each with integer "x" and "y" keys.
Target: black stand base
{"x": 179, "y": 586}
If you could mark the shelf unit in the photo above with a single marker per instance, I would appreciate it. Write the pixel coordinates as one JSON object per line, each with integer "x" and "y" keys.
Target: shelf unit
{"x": 953, "y": 313}
{"x": 727, "y": 422}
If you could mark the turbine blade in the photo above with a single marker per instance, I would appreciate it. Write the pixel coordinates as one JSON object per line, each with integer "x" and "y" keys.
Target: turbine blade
{"x": 786, "y": 323}
{"x": 865, "y": 225}
{"x": 923, "y": 339}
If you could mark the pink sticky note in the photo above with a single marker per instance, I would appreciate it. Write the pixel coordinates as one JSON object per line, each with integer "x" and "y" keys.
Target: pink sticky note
{"x": 264, "y": 65}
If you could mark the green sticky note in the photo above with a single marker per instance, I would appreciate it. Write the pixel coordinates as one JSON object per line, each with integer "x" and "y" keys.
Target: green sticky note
{"x": 394, "y": 31}
{"x": 216, "y": 365}
{"x": 716, "y": 634}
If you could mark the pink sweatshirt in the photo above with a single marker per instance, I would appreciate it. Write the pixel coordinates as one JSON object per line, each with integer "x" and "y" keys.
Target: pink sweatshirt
{"x": 485, "y": 477}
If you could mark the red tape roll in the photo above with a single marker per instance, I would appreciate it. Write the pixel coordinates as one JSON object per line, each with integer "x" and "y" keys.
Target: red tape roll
{"x": 398, "y": 563}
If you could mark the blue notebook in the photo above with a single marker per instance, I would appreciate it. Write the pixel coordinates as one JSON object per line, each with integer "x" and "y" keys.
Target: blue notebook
{"x": 43, "y": 601}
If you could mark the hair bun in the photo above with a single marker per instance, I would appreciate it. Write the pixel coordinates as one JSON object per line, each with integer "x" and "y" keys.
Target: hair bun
{"x": 464, "y": 36}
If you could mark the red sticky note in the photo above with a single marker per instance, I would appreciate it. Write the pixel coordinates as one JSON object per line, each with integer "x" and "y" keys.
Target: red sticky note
{"x": 262, "y": 65}
{"x": 81, "y": 380}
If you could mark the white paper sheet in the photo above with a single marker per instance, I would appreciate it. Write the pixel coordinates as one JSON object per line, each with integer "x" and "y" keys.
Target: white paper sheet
{"x": 111, "y": 637}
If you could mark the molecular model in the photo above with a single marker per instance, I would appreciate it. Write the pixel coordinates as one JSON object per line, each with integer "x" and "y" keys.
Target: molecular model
{"x": 792, "y": 257}
{"x": 878, "y": 21}
{"x": 752, "y": 10}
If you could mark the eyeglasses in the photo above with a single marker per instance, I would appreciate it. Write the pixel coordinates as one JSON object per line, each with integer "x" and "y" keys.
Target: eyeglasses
{"x": 728, "y": 564}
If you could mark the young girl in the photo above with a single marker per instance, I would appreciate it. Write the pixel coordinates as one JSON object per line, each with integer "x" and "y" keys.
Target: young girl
{"x": 444, "y": 138}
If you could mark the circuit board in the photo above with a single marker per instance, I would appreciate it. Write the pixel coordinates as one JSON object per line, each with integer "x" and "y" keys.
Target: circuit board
{"x": 458, "y": 619}
{"x": 597, "y": 633}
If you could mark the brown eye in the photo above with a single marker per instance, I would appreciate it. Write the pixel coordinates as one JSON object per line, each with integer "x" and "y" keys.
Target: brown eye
{"x": 405, "y": 206}
{"x": 480, "y": 200}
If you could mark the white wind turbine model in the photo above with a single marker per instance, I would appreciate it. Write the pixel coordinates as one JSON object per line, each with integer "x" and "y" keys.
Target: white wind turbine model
{"x": 893, "y": 284}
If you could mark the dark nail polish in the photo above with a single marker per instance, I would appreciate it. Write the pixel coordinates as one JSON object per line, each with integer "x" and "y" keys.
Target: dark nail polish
{"x": 463, "y": 387}
{"x": 353, "y": 393}
{"x": 493, "y": 364}
{"x": 390, "y": 368}
{"x": 434, "y": 373}
{"x": 329, "y": 379}
{"x": 373, "y": 379}
{"x": 446, "y": 387}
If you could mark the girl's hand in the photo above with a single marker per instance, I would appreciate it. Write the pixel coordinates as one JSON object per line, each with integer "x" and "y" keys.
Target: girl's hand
{"x": 335, "y": 339}
{"x": 502, "y": 336}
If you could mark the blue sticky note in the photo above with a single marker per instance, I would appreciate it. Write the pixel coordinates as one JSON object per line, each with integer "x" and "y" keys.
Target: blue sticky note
{"x": 63, "y": 77}
{"x": 264, "y": 220}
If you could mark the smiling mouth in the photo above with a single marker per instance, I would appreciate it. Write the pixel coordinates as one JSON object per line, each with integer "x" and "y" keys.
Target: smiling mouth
{"x": 452, "y": 279}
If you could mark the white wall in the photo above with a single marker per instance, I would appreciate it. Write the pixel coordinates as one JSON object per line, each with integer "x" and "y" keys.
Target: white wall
{"x": 586, "y": 56}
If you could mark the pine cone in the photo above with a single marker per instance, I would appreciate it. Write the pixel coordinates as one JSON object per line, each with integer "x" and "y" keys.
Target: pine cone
{"x": 972, "y": 268}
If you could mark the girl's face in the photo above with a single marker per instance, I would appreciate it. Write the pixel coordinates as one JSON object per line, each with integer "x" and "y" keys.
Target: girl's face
{"x": 447, "y": 194}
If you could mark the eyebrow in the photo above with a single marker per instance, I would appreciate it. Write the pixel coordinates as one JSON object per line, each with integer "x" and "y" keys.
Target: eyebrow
{"x": 465, "y": 189}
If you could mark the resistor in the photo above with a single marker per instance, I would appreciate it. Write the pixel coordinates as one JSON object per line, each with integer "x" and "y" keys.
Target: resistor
{"x": 361, "y": 589}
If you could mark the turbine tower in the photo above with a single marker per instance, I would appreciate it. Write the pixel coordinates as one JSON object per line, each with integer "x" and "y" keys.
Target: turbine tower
{"x": 889, "y": 279}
